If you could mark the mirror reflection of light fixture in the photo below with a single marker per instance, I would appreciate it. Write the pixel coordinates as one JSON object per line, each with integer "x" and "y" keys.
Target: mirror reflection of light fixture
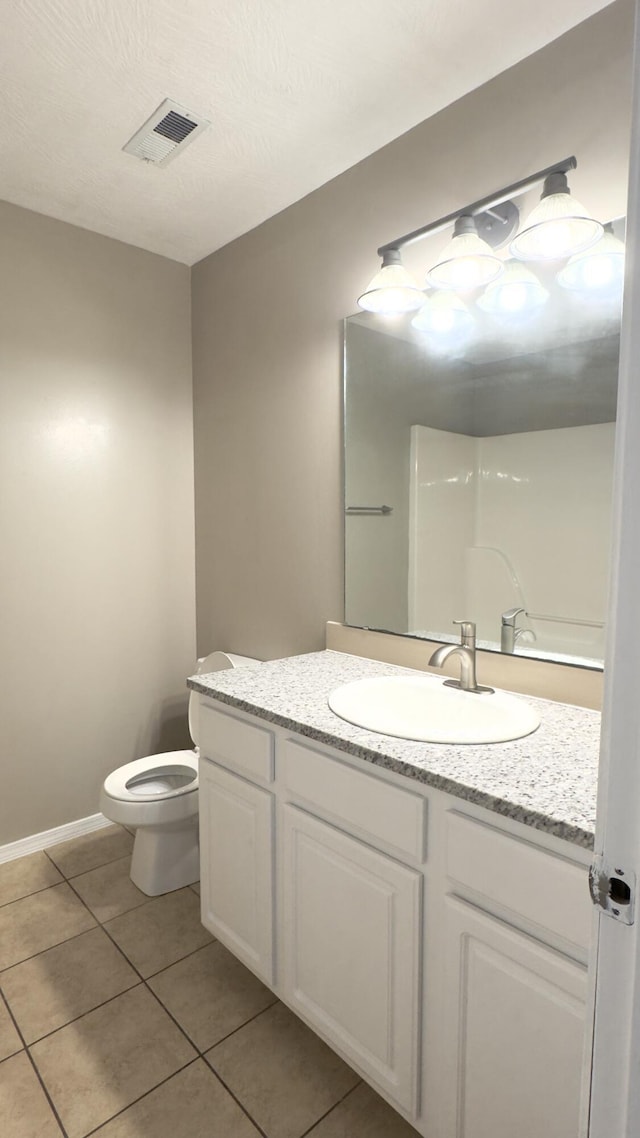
{"x": 599, "y": 270}
{"x": 558, "y": 227}
{"x": 467, "y": 262}
{"x": 392, "y": 290}
{"x": 443, "y": 314}
{"x": 518, "y": 292}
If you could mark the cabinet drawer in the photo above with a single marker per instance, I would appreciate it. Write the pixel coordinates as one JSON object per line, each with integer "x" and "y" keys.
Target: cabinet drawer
{"x": 378, "y": 812}
{"x": 550, "y": 891}
{"x": 236, "y": 744}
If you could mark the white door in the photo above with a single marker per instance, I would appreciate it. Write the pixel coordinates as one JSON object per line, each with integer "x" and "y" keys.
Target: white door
{"x": 351, "y": 940}
{"x": 236, "y": 858}
{"x": 513, "y": 1032}
{"x": 615, "y": 1086}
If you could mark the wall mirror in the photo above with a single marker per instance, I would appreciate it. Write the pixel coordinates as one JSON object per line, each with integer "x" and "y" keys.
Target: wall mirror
{"x": 478, "y": 474}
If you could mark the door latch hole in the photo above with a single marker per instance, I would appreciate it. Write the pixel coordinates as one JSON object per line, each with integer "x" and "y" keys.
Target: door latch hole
{"x": 619, "y": 891}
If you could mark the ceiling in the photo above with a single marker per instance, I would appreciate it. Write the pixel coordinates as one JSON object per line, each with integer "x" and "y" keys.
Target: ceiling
{"x": 297, "y": 92}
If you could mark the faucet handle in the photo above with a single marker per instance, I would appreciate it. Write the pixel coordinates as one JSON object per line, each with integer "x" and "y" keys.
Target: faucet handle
{"x": 467, "y": 633}
{"x": 510, "y": 616}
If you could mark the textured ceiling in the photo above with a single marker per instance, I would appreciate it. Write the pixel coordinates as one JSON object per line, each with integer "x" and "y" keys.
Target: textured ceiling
{"x": 297, "y": 91}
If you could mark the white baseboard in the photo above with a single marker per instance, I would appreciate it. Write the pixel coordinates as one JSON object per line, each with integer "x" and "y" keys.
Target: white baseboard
{"x": 52, "y": 837}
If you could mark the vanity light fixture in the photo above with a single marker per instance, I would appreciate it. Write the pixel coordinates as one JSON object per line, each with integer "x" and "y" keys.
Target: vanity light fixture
{"x": 443, "y": 314}
{"x": 558, "y": 227}
{"x": 392, "y": 290}
{"x": 467, "y": 262}
{"x": 517, "y": 292}
{"x": 599, "y": 270}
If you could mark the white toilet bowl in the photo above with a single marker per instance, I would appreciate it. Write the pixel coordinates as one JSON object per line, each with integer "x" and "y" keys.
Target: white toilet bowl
{"x": 158, "y": 796}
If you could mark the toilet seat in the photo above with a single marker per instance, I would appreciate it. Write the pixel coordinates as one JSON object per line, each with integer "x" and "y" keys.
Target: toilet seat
{"x": 141, "y": 793}
{"x": 141, "y": 780}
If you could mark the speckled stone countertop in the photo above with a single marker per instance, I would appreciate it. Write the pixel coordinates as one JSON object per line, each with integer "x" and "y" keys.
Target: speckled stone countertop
{"x": 546, "y": 780}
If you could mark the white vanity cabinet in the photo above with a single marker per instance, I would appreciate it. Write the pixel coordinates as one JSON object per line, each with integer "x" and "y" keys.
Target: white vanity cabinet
{"x": 515, "y": 929}
{"x": 438, "y": 947}
{"x": 513, "y": 1031}
{"x": 352, "y": 913}
{"x": 351, "y": 949}
{"x": 237, "y": 838}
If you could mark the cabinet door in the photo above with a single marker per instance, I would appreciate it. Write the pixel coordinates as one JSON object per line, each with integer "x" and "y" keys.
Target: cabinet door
{"x": 351, "y": 946}
{"x": 513, "y": 1032}
{"x": 236, "y": 856}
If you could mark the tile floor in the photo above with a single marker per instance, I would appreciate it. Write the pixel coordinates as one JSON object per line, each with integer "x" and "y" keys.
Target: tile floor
{"x": 120, "y": 1016}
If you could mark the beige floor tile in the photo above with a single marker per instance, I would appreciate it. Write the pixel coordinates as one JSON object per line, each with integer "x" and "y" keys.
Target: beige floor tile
{"x": 91, "y": 850}
{"x": 193, "y": 1104}
{"x": 63, "y": 983}
{"x": 211, "y": 994}
{"x": 363, "y": 1114}
{"x": 280, "y": 1071}
{"x": 160, "y": 932}
{"x": 101, "y": 1063}
{"x": 26, "y": 875}
{"x": 24, "y": 1110}
{"x": 109, "y": 890}
{"x": 40, "y": 921}
{"x": 10, "y": 1041}
{"x": 196, "y": 888}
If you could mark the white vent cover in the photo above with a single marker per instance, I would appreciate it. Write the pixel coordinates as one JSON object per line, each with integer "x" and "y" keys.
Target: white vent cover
{"x": 164, "y": 135}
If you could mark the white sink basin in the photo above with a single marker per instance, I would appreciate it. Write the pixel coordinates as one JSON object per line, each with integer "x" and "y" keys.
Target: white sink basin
{"x": 422, "y": 708}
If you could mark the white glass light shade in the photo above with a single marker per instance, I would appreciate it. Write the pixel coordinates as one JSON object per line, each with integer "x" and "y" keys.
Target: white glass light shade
{"x": 558, "y": 227}
{"x": 516, "y": 293}
{"x": 599, "y": 270}
{"x": 467, "y": 262}
{"x": 392, "y": 290}
{"x": 443, "y": 314}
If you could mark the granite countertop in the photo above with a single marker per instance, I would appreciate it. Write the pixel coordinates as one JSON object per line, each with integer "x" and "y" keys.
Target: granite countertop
{"x": 546, "y": 780}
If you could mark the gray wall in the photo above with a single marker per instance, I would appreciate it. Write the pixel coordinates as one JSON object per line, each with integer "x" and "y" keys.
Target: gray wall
{"x": 96, "y": 509}
{"x": 267, "y": 314}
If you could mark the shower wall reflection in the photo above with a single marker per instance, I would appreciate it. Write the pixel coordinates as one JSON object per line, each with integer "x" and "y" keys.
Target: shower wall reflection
{"x": 496, "y": 456}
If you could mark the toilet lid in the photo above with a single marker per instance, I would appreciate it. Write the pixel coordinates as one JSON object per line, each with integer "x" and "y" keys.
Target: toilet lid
{"x": 154, "y": 778}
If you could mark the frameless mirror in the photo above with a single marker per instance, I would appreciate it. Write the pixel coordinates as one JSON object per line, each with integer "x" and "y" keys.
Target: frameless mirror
{"x": 478, "y": 474}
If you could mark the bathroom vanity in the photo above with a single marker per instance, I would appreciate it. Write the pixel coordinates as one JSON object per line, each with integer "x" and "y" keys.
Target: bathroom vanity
{"x": 424, "y": 908}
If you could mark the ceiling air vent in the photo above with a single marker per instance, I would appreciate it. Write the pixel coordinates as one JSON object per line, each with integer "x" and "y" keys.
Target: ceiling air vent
{"x": 169, "y": 130}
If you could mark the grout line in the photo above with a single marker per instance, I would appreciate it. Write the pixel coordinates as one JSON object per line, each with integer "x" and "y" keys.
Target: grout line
{"x": 166, "y": 967}
{"x": 146, "y": 1094}
{"x": 42, "y": 951}
{"x": 33, "y": 893}
{"x": 235, "y": 1098}
{"x": 309, "y": 1133}
{"x": 105, "y": 930}
{"x": 104, "y": 926}
{"x": 109, "y": 861}
{"x": 234, "y": 1031}
{"x": 75, "y": 1019}
{"x": 33, "y": 1065}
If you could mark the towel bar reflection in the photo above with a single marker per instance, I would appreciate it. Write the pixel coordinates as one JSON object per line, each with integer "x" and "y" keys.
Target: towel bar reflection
{"x": 565, "y": 620}
{"x": 369, "y": 510}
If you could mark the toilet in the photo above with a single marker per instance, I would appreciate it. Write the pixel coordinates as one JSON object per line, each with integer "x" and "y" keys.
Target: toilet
{"x": 158, "y": 796}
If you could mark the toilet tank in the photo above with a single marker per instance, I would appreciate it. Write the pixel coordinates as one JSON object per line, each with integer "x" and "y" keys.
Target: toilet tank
{"x": 214, "y": 662}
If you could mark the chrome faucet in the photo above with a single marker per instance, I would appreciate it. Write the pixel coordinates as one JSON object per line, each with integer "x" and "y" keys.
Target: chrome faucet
{"x": 509, "y": 634}
{"x": 466, "y": 650}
